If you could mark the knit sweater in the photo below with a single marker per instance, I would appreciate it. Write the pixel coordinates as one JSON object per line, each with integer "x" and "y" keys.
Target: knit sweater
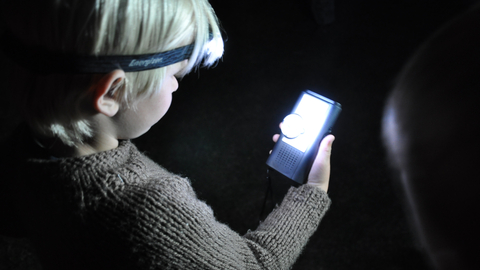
{"x": 120, "y": 210}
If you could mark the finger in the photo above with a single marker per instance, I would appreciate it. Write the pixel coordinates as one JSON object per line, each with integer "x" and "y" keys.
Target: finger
{"x": 326, "y": 145}
{"x": 324, "y": 152}
{"x": 275, "y": 137}
{"x": 320, "y": 172}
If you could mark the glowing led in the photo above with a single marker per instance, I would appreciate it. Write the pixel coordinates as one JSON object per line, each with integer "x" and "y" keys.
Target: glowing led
{"x": 313, "y": 113}
{"x": 215, "y": 47}
{"x": 292, "y": 126}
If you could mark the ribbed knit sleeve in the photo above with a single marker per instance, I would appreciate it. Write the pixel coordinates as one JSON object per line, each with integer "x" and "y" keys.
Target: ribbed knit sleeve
{"x": 158, "y": 215}
{"x": 170, "y": 229}
{"x": 279, "y": 240}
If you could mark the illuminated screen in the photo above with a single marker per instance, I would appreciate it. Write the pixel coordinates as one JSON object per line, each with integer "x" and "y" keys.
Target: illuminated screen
{"x": 313, "y": 113}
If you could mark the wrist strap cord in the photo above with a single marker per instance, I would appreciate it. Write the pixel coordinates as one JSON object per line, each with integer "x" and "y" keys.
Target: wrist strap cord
{"x": 268, "y": 192}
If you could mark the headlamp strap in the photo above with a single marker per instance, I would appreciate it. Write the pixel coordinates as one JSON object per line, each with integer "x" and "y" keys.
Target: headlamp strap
{"x": 40, "y": 60}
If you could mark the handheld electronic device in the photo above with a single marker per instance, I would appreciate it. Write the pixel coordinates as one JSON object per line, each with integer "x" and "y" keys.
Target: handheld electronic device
{"x": 302, "y": 131}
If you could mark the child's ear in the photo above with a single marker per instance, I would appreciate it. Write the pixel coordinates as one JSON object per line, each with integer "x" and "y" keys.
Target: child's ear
{"x": 105, "y": 101}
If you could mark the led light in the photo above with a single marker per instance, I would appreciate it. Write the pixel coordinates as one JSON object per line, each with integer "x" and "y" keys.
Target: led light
{"x": 313, "y": 113}
{"x": 214, "y": 47}
{"x": 292, "y": 126}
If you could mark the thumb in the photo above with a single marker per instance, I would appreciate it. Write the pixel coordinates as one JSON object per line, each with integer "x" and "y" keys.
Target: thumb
{"x": 320, "y": 172}
{"x": 325, "y": 149}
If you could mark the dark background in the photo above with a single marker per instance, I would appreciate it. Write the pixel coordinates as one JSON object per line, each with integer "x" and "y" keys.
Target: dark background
{"x": 218, "y": 130}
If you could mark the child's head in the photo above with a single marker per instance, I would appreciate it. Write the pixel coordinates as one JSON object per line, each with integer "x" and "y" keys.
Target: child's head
{"x": 53, "y": 105}
{"x": 431, "y": 129}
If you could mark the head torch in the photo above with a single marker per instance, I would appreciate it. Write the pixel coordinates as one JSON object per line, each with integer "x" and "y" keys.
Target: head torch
{"x": 42, "y": 61}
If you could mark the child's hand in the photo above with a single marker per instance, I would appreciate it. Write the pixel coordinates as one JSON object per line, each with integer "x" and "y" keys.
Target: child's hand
{"x": 320, "y": 172}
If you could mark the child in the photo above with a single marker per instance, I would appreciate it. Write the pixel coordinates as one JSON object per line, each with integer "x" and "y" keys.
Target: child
{"x": 95, "y": 75}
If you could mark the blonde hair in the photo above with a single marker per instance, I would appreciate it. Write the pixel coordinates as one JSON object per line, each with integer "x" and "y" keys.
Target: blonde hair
{"x": 51, "y": 104}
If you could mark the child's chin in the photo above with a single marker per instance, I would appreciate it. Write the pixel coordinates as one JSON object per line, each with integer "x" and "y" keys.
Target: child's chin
{"x": 134, "y": 136}
{"x": 143, "y": 133}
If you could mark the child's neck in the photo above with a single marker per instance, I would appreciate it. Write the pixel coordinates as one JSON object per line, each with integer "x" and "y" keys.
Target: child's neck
{"x": 56, "y": 148}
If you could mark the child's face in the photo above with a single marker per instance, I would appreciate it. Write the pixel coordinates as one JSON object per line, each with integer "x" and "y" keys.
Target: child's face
{"x": 134, "y": 123}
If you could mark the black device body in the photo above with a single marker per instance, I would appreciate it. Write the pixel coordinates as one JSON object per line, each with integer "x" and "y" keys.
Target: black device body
{"x": 302, "y": 131}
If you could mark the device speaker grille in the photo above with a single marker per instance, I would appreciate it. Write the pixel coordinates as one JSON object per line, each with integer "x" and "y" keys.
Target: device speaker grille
{"x": 287, "y": 158}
